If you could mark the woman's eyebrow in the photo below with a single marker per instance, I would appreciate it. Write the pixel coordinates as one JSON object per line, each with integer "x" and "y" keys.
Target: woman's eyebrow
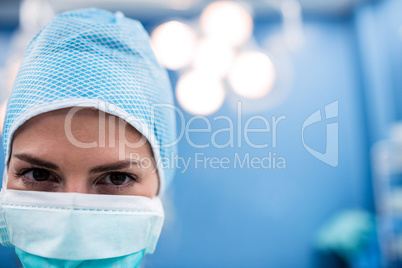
{"x": 107, "y": 167}
{"x": 114, "y": 166}
{"x": 36, "y": 161}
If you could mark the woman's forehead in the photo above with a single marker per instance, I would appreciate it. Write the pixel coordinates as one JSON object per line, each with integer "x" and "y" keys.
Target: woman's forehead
{"x": 76, "y": 118}
{"x": 83, "y": 127}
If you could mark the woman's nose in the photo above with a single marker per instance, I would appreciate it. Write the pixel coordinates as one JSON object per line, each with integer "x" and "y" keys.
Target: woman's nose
{"x": 77, "y": 185}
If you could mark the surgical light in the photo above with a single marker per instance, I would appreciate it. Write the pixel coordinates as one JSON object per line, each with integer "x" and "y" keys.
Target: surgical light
{"x": 228, "y": 21}
{"x": 252, "y": 74}
{"x": 213, "y": 56}
{"x": 174, "y": 43}
{"x": 200, "y": 93}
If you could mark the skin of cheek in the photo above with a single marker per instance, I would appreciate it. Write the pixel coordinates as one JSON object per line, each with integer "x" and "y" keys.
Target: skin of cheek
{"x": 44, "y": 137}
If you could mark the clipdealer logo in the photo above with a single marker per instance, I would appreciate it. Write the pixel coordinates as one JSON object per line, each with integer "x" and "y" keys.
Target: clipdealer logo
{"x": 331, "y": 154}
{"x": 256, "y": 132}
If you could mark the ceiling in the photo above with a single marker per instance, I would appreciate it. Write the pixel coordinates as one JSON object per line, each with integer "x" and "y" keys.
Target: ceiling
{"x": 159, "y": 9}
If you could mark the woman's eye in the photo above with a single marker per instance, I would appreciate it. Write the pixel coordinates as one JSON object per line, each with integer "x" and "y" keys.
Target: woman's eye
{"x": 117, "y": 178}
{"x": 38, "y": 174}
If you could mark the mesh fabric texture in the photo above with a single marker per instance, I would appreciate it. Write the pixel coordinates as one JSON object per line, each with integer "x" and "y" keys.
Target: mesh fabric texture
{"x": 95, "y": 58}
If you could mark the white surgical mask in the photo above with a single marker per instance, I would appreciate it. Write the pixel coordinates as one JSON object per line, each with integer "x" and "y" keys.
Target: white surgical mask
{"x": 79, "y": 227}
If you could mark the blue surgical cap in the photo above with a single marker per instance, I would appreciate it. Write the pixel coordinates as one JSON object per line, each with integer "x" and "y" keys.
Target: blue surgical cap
{"x": 95, "y": 58}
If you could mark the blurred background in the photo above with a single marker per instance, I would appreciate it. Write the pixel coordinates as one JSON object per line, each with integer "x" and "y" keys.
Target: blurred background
{"x": 317, "y": 81}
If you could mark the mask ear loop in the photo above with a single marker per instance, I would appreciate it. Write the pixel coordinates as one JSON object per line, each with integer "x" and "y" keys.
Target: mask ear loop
{"x": 4, "y": 233}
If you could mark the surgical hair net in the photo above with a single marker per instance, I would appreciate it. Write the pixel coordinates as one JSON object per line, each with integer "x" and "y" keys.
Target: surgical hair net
{"x": 95, "y": 58}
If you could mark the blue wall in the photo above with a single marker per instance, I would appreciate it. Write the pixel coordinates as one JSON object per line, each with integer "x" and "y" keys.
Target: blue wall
{"x": 269, "y": 217}
{"x": 378, "y": 28}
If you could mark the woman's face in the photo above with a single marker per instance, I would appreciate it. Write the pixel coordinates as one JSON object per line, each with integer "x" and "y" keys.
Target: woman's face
{"x": 44, "y": 158}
